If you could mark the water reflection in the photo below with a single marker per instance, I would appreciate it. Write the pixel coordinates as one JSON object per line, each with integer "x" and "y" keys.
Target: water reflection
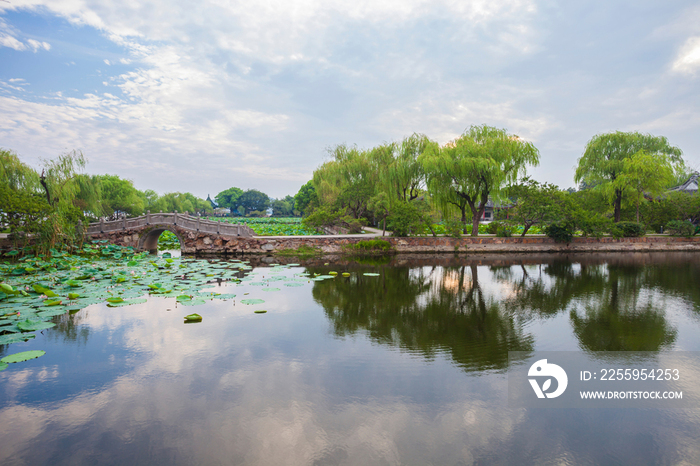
{"x": 358, "y": 370}
{"x": 426, "y": 311}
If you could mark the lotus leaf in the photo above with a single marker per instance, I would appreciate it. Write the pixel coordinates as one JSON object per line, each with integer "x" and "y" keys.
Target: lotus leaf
{"x": 7, "y": 289}
{"x": 368, "y": 274}
{"x": 57, "y": 311}
{"x": 332, "y": 273}
{"x": 115, "y": 300}
{"x": 260, "y": 311}
{"x": 15, "y": 338}
{"x": 23, "y": 356}
{"x": 73, "y": 296}
{"x": 193, "y": 318}
{"x": 346, "y": 274}
{"x": 33, "y": 325}
{"x": 3, "y": 366}
{"x": 128, "y": 302}
{"x": 193, "y": 302}
{"x": 271, "y": 289}
{"x": 252, "y": 301}
{"x": 294, "y": 284}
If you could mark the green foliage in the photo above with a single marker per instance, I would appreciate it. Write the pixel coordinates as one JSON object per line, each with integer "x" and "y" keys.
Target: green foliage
{"x": 504, "y": 231}
{"x": 167, "y": 241}
{"x": 631, "y": 229}
{"x": 283, "y": 207}
{"x": 306, "y": 199}
{"x": 252, "y": 200}
{"x": 453, "y": 228}
{"x": 229, "y": 198}
{"x": 405, "y": 219}
{"x": 468, "y": 170}
{"x": 680, "y": 228}
{"x": 118, "y": 195}
{"x": 562, "y": 231}
{"x": 534, "y": 203}
{"x": 267, "y": 226}
{"x": 492, "y": 228}
{"x": 177, "y": 202}
{"x": 606, "y": 163}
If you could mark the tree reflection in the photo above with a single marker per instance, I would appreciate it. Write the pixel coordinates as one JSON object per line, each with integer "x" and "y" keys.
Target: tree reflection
{"x": 603, "y": 303}
{"x": 428, "y": 311}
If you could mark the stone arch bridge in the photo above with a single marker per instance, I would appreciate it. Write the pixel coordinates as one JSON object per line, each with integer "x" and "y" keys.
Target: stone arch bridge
{"x": 195, "y": 234}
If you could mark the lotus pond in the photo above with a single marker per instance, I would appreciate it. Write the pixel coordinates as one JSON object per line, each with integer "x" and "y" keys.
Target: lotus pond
{"x": 115, "y": 357}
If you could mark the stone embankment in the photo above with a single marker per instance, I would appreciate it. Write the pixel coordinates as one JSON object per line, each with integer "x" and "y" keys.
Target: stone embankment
{"x": 202, "y": 243}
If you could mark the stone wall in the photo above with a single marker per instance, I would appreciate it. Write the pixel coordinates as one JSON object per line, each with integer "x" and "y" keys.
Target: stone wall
{"x": 203, "y": 243}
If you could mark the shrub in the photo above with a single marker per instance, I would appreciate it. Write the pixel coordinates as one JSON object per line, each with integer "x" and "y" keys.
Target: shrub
{"x": 678, "y": 228}
{"x": 562, "y": 232}
{"x": 492, "y": 228}
{"x": 454, "y": 228}
{"x": 504, "y": 231}
{"x": 631, "y": 229}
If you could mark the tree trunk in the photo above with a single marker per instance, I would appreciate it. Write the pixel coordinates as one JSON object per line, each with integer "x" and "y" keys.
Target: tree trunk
{"x": 526, "y": 227}
{"x": 464, "y": 218}
{"x": 384, "y": 226}
{"x": 617, "y": 204}
{"x": 475, "y": 223}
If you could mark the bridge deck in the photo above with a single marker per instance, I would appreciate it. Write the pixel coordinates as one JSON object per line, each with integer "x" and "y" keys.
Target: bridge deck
{"x": 184, "y": 221}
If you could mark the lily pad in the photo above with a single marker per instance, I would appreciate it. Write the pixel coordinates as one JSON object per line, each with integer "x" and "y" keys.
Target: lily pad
{"x": 225, "y": 296}
{"x": 15, "y": 338}
{"x": 57, "y": 311}
{"x": 115, "y": 300}
{"x": 252, "y": 301}
{"x": 346, "y": 274}
{"x": 32, "y": 325}
{"x": 193, "y": 318}
{"x": 271, "y": 289}
{"x": 23, "y": 356}
{"x": 294, "y": 284}
{"x": 369, "y": 274}
{"x": 3, "y": 366}
{"x": 128, "y": 302}
{"x": 193, "y": 302}
{"x": 259, "y": 311}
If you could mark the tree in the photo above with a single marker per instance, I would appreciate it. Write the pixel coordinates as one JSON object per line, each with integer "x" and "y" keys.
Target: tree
{"x": 644, "y": 173}
{"x": 472, "y": 167}
{"x": 229, "y": 198}
{"x": 534, "y": 203}
{"x": 254, "y": 200}
{"x": 380, "y": 205}
{"x": 306, "y": 199}
{"x": 401, "y": 174}
{"x": 603, "y": 161}
{"x": 347, "y": 181}
{"x": 118, "y": 195}
{"x": 282, "y": 207}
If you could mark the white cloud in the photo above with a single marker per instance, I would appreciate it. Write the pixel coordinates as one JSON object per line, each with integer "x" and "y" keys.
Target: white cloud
{"x": 36, "y": 45}
{"x": 688, "y": 59}
{"x": 11, "y": 42}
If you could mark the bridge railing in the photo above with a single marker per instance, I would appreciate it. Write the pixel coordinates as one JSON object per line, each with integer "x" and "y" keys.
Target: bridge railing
{"x": 185, "y": 221}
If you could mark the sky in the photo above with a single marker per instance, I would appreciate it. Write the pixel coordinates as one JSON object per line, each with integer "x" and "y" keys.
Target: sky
{"x": 202, "y": 96}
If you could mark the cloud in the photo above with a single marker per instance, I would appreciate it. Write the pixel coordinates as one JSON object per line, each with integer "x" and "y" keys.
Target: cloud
{"x": 36, "y": 45}
{"x": 688, "y": 60}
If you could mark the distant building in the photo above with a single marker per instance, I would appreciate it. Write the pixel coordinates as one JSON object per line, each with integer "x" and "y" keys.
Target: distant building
{"x": 214, "y": 205}
{"x": 690, "y": 186}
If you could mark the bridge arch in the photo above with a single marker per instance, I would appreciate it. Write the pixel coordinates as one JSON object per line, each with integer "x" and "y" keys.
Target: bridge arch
{"x": 148, "y": 239}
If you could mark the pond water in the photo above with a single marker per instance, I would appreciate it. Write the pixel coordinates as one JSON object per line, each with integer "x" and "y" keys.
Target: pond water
{"x": 407, "y": 367}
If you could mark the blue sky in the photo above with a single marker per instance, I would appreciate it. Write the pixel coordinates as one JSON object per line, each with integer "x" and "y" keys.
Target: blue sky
{"x": 199, "y": 97}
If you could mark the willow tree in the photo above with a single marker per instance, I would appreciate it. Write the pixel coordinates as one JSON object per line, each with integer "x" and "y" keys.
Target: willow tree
{"x": 348, "y": 180}
{"x": 645, "y": 173}
{"x": 478, "y": 164}
{"x": 603, "y": 161}
{"x": 401, "y": 174}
